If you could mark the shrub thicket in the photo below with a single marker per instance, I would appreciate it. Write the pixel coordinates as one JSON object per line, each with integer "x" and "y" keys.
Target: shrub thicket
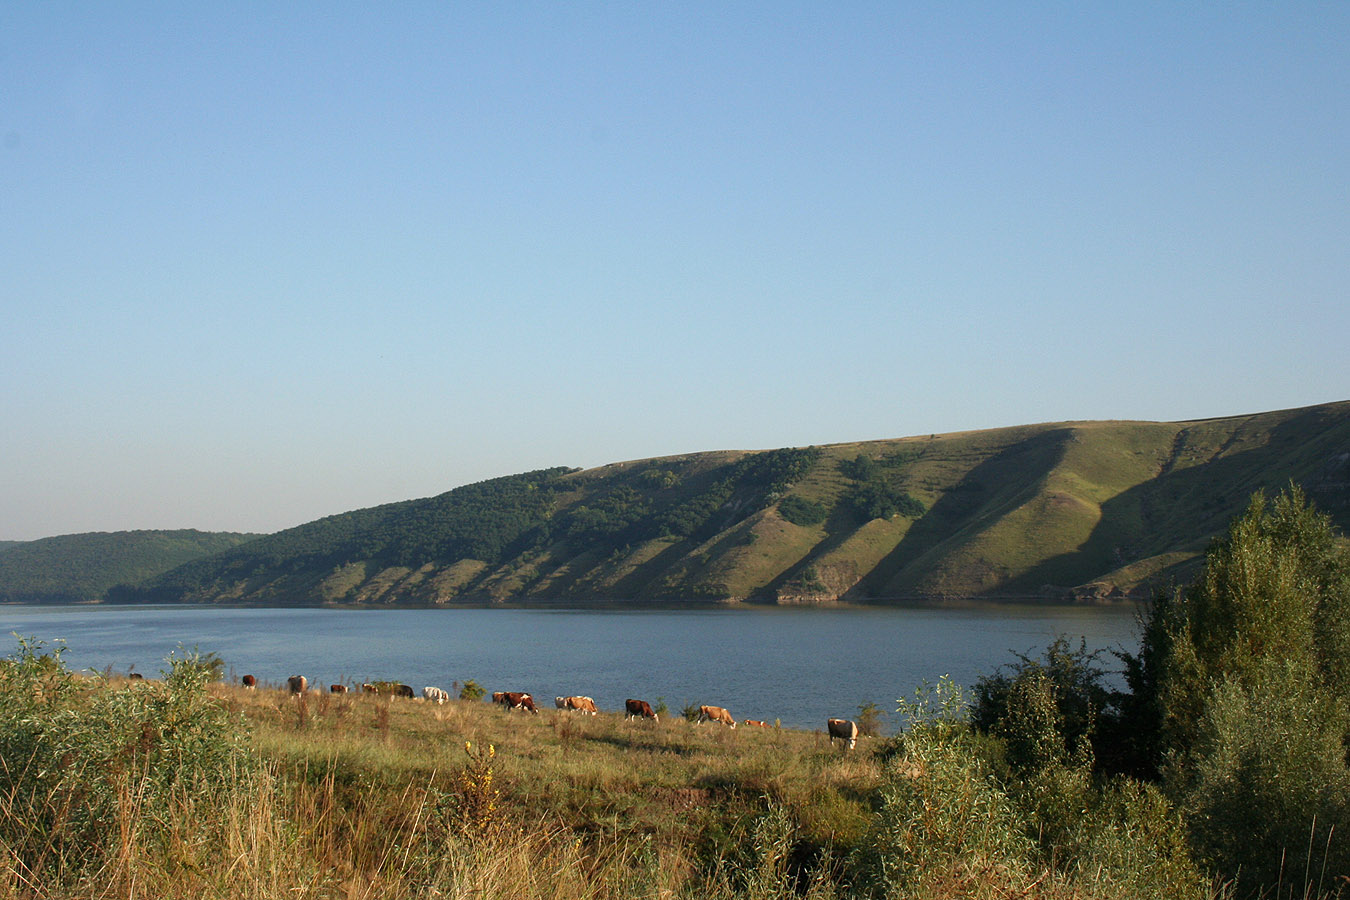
{"x": 1249, "y": 670}
{"x": 800, "y": 511}
{"x": 81, "y": 766}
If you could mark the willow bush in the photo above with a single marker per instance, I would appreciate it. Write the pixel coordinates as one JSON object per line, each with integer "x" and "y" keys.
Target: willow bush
{"x": 84, "y": 767}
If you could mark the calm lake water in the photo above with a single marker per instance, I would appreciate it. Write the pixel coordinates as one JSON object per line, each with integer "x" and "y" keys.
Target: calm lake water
{"x": 797, "y": 665}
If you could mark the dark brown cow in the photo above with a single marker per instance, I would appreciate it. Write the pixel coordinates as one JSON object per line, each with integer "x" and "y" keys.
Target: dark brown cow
{"x": 844, "y": 730}
{"x": 297, "y": 684}
{"x": 250, "y": 681}
{"x": 639, "y": 709}
{"x": 136, "y": 676}
{"x": 404, "y": 690}
{"x": 337, "y": 689}
{"x": 515, "y": 700}
{"x": 715, "y": 714}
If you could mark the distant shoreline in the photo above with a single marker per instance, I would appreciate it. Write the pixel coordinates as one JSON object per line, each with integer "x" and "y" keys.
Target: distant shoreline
{"x": 612, "y": 605}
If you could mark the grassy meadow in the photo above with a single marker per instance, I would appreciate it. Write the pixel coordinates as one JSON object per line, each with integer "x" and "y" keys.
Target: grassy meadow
{"x": 186, "y": 788}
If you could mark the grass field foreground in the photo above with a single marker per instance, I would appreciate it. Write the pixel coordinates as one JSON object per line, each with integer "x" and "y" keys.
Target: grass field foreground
{"x": 183, "y": 788}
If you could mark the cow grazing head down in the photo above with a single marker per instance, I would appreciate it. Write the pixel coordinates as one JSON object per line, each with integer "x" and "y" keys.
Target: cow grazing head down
{"x": 435, "y": 694}
{"x": 515, "y": 700}
{"x": 639, "y": 709}
{"x": 715, "y": 714}
{"x": 297, "y": 684}
{"x": 250, "y": 681}
{"x": 577, "y": 704}
{"x": 844, "y": 730}
{"x": 337, "y": 689}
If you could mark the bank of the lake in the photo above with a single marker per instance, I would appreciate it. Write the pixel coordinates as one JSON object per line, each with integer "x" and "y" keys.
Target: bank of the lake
{"x": 796, "y": 665}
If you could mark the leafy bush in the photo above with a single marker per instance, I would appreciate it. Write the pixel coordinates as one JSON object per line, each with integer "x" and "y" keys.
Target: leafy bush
{"x": 78, "y": 764}
{"x": 1241, "y": 683}
{"x": 1048, "y": 708}
{"x": 209, "y": 666}
{"x": 472, "y": 690}
{"x": 869, "y": 719}
{"x": 878, "y": 500}
{"x": 861, "y": 468}
{"x": 956, "y": 821}
{"x": 1269, "y": 798}
{"x": 800, "y": 511}
{"x": 945, "y": 826}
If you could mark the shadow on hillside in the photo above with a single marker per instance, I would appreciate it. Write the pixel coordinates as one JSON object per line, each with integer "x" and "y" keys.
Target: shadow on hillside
{"x": 1184, "y": 509}
{"x": 988, "y": 491}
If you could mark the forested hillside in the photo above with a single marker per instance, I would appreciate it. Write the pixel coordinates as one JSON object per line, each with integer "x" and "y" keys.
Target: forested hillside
{"x": 82, "y": 567}
{"x": 1078, "y": 510}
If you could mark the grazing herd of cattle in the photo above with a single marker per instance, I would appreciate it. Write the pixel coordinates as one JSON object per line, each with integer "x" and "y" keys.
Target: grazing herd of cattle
{"x": 842, "y": 729}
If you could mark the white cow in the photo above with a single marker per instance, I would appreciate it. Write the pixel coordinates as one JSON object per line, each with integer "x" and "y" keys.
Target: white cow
{"x": 434, "y": 693}
{"x": 843, "y": 729}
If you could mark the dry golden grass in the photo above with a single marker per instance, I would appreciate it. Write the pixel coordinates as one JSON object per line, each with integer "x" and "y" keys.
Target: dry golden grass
{"x": 360, "y": 797}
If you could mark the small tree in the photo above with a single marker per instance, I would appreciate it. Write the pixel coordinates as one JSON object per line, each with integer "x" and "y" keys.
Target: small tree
{"x": 869, "y": 719}
{"x": 1060, "y": 697}
{"x": 1243, "y": 679}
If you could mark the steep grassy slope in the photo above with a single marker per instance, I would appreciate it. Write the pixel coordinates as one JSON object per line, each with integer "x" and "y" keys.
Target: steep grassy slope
{"x": 1080, "y": 509}
{"x": 79, "y": 567}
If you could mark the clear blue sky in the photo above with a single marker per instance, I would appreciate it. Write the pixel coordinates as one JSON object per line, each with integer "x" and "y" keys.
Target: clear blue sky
{"x": 261, "y": 263}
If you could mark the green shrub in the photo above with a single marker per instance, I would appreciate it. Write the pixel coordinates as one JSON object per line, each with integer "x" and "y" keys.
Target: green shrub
{"x": 1035, "y": 702}
{"x": 878, "y": 500}
{"x": 1241, "y": 683}
{"x": 1268, "y": 800}
{"x": 80, "y": 765}
{"x": 801, "y": 512}
{"x": 869, "y": 719}
{"x": 944, "y": 825}
{"x": 472, "y": 690}
{"x": 860, "y": 468}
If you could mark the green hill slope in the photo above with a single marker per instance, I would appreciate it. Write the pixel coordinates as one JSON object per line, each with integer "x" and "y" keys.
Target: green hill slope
{"x": 1081, "y": 510}
{"x": 80, "y": 567}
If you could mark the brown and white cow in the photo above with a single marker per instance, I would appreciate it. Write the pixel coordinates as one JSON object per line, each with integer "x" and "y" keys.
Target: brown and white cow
{"x": 578, "y": 704}
{"x": 715, "y": 714}
{"x": 844, "y": 730}
{"x": 435, "y": 694}
{"x": 639, "y": 709}
{"x": 250, "y": 682}
{"x": 756, "y": 723}
{"x": 515, "y": 700}
{"x": 297, "y": 684}
{"x": 368, "y": 688}
{"x": 337, "y": 689}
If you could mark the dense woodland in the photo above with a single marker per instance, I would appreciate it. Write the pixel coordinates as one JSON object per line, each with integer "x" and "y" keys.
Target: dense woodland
{"x": 82, "y": 567}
